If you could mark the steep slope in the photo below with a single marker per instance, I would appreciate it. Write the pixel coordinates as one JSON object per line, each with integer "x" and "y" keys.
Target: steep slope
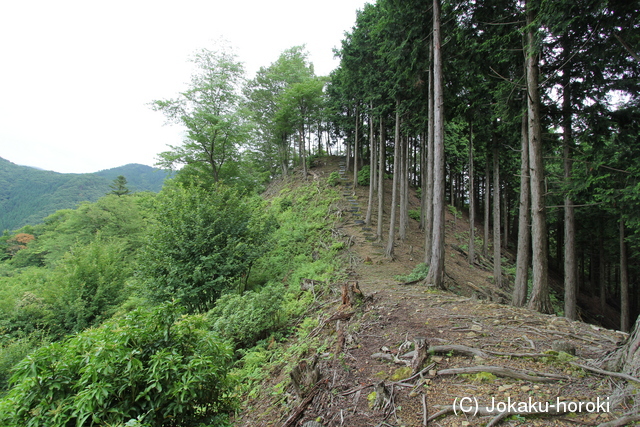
{"x": 482, "y": 353}
{"x": 28, "y": 195}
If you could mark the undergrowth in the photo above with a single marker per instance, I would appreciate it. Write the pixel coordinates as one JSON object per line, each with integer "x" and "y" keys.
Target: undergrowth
{"x": 270, "y": 325}
{"x": 419, "y": 273}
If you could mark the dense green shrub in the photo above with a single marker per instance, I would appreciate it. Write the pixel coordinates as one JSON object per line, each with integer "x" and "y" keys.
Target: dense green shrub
{"x": 334, "y": 178}
{"x": 202, "y": 242}
{"x": 12, "y": 351}
{"x": 160, "y": 367}
{"x": 24, "y": 306}
{"x": 419, "y": 272}
{"x": 245, "y": 319}
{"x": 90, "y": 282}
{"x": 414, "y": 213}
{"x": 312, "y": 159}
{"x": 364, "y": 175}
{"x": 83, "y": 289}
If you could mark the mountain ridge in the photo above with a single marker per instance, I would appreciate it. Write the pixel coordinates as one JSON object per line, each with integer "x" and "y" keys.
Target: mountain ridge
{"x": 29, "y": 194}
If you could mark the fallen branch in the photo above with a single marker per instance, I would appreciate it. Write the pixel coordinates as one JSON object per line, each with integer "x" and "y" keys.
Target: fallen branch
{"x": 622, "y": 421}
{"x": 303, "y": 405}
{"x": 610, "y": 373}
{"x": 499, "y": 371}
{"x": 390, "y": 357}
{"x": 353, "y": 390}
{"x": 495, "y": 420}
{"x": 480, "y": 290}
{"x": 341, "y": 315}
{"x": 445, "y": 411}
{"x": 425, "y": 411}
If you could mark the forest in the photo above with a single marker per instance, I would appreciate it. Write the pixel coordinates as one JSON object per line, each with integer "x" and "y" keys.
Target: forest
{"x": 148, "y": 309}
{"x": 28, "y": 195}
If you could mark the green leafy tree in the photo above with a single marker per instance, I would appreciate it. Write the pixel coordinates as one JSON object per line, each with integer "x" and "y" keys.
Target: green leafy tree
{"x": 202, "y": 242}
{"x": 84, "y": 289}
{"x": 275, "y": 117}
{"x": 297, "y": 106}
{"x": 209, "y": 110}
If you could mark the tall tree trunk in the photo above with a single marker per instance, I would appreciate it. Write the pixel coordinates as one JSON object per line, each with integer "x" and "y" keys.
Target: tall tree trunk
{"x": 394, "y": 188}
{"x": 559, "y": 240}
{"x": 570, "y": 268}
{"x": 504, "y": 211}
{"x": 472, "y": 201}
{"x": 372, "y": 172}
{"x": 523, "y": 258}
{"x": 423, "y": 180}
{"x": 601, "y": 268}
{"x": 497, "y": 257}
{"x": 347, "y": 154}
{"x": 540, "y": 300}
{"x": 381, "y": 170}
{"x": 452, "y": 201}
{"x": 303, "y": 156}
{"x": 374, "y": 151}
{"x": 404, "y": 186}
{"x": 416, "y": 182}
{"x": 624, "y": 281}
{"x": 436, "y": 266}
{"x": 427, "y": 192}
{"x": 355, "y": 151}
{"x": 284, "y": 155}
{"x": 487, "y": 208}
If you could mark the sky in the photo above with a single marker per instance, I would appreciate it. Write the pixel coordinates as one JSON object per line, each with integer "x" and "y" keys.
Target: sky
{"x": 76, "y": 76}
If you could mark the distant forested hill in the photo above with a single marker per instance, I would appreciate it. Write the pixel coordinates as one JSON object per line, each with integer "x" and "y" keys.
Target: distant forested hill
{"x": 28, "y": 195}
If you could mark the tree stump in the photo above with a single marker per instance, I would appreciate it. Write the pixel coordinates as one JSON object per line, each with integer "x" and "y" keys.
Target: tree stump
{"x": 383, "y": 398}
{"x": 305, "y": 376}
{"x": 351, "y": 293}
{"x": 421, "y": 347}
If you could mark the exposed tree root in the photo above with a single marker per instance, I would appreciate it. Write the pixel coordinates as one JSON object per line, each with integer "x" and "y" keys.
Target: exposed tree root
{"x": 496, "y": 353}
{"x": 485, "y": 411}
{"x": 603, "y": 372}
{"x": 502, "y": 372}
{"x": 463, "y": 349}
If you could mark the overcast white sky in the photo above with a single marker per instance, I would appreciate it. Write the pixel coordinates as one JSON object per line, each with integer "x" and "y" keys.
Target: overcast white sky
{"x": 76, "y": 75}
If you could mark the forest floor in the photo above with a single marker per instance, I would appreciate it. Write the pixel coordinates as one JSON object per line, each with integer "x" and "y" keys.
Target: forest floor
{"x": 514, "y": 358}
